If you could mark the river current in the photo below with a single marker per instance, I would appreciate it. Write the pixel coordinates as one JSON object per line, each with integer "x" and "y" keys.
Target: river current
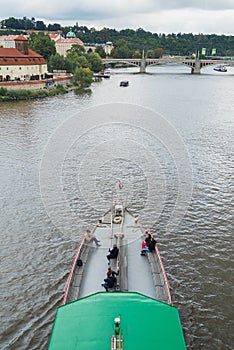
{"x": 168, "y": 137}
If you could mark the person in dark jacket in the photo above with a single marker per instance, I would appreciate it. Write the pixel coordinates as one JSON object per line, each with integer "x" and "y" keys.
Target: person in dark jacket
{"x": 148, "y": 238}
{"x": 152, "y": 244}
{"x": 110, "y": 280}
{"x": 113, "y": 253}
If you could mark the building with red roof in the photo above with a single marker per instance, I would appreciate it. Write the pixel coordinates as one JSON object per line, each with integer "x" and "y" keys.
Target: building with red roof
{"x": 21, "y": 63}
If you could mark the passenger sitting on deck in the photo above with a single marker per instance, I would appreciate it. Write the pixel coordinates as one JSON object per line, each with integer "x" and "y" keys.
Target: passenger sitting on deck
{"x": 144, "y": 248}
{"x": 110, "y": 280}
{"x": 111, "y": 272}
{"x": 113, "y": 252}
{"x": 148, "y": 238}
{"x": 89, "y": 237}
{"x": 152, "y": 244}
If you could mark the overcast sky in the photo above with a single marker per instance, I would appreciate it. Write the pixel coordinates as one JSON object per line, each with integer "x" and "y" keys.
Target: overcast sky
{"x": 158, "y": 16}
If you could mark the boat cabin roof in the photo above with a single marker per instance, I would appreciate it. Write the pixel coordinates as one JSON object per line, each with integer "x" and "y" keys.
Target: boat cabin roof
{"x": 93, "y": 323}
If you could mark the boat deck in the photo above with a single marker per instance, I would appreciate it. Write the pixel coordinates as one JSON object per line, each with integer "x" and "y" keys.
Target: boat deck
{"x": 141, "y": 295}
{"x": 136, "y": 271}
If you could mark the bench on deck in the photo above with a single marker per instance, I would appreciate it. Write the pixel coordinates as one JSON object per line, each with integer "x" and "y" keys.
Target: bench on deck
{"x": 120, "y": 264}
{"x": 123, "y": 266}
{"x": 75, "y": 283}
{"x": 158, "y": 277}
{"x": 114, "y": 264}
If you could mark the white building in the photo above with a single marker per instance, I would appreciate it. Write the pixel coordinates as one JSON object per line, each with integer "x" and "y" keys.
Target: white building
{"x": 64, "y": 44}
{"x": 108, "y": 46}
{"x": 8, "y": 41}
{"x": 21, "y": 63}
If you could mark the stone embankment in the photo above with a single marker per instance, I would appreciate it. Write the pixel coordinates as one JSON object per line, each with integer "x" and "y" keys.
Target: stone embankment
{"x": 36, "y": 85}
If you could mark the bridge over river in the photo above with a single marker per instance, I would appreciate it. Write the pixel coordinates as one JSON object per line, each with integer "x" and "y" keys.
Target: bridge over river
{"x": 195, "y": 64}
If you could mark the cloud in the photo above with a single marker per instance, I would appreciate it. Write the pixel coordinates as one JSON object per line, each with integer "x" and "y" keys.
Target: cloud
{"x": 154, "y": 15}
{"x": 184, "y": 21}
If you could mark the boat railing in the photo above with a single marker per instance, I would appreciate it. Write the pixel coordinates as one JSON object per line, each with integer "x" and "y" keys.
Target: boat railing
{"x": 72, "y": 270}
{"x": 165, "y": 282}
{"x": 165, "y": 275}
{"x": 76, "y": 272}
{"x": 159, "y": 274}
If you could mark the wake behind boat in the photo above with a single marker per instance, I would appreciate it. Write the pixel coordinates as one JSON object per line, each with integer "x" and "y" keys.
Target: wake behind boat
{"x": 137, "y": 312}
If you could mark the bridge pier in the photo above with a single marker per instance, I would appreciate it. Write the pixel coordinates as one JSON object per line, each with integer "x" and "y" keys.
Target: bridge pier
{"x": 197, "y": 67}
{"x": 143, "y": 65}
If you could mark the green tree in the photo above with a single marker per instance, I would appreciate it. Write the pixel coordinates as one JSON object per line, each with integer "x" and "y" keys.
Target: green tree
{"x": 57, "y": 62}
{"x": 122, "y": 48}
{"x": 150, "y": 54}
{"x": 82, "y": 62}
{"x": 40, "y": 25}
{"x": 83, "y": 77}
{"x": 76, "y": 49}
{"x": 158, "y": 52}
{"x": 100, "y": 51}
{"x": 42, "y": 44}
{"x": 136, "y": 54}
{"x": 95, "y": 61}
{"x": 114, "y": 53}
{"x": 54, "y": 27}
{"x": 76, "y": 58}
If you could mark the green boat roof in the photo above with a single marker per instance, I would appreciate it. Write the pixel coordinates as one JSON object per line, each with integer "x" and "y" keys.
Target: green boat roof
{"x": 88, "y": 323}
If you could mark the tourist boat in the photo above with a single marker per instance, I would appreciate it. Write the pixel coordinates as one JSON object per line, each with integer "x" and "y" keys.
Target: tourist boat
{"x": 220, "y": 68}
{"x": 137, "y": 313}
{"x": 124, "y": 83}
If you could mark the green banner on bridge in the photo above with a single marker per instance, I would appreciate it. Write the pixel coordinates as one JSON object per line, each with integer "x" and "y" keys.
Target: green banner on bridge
{"x": 203, "y": 52}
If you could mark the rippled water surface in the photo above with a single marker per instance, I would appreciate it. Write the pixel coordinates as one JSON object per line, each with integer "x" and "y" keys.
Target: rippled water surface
{"x": 39, "y": 233}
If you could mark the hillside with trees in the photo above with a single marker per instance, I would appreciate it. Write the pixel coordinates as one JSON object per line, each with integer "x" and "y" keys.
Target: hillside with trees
{"x": 130, "y": 43}
{"x": 134, "y": 41}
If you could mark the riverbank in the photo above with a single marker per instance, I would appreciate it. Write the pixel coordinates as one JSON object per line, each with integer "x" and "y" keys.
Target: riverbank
{"x": 26, "y": 90}
{"x": 17, "y": 95}
{"x": 36, "y": 85}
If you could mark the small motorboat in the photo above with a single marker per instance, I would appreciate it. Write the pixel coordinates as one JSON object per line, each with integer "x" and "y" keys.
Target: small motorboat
{"x": 124, "y": 83}
{"x": 137, "y": 312}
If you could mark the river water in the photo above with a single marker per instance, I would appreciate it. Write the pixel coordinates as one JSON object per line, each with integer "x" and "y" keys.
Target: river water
{"x": 169, "y": 138}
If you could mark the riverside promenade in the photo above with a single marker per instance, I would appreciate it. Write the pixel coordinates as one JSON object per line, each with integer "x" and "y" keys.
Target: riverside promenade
{"x": 36, "y": 85}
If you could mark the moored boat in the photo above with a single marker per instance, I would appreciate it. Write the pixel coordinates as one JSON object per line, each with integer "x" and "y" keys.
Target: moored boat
{"x": 103, "y": 74}
{"x": 220, "y": 68}
{"x": 137, "y": 312}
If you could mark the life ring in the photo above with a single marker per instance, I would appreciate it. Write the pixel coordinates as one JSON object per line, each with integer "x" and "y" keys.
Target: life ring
{"x": 117, "y": 220}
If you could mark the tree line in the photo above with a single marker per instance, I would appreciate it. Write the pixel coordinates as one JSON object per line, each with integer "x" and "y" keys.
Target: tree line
{"x": 28, "y": 24}
{"x": 130, "y": 43}
{"x": 134, "y": 41}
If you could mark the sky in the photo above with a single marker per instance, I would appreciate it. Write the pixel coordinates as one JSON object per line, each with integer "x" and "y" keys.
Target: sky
{"x": 157, "y": 16}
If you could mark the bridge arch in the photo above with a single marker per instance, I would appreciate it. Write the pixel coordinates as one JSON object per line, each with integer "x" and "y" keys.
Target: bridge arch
{"x": 130, "y": 62}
